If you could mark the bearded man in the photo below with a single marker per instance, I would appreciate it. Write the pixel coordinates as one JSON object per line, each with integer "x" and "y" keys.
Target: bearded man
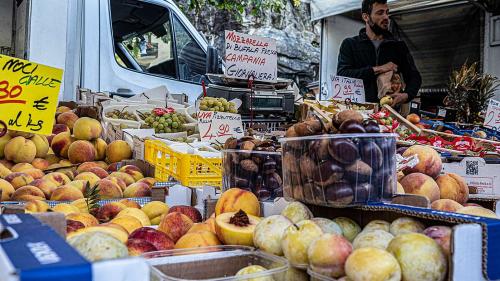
{"x": 375, "y": 51}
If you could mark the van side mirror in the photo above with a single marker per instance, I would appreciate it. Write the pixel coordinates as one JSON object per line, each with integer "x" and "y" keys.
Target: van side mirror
{"x": 212, "y": 63}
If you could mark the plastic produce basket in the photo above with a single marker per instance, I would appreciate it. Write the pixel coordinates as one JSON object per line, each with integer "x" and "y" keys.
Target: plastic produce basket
{"x": 318, "y": 277}
{"x": 192, "y": 170}
{"x": 340, "y": 170}
{"x": 257, "y": 171}
{"x": 216, "y": 263}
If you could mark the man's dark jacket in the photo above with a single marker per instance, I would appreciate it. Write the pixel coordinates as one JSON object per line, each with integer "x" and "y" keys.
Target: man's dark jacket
{"x": 358, "y": 56}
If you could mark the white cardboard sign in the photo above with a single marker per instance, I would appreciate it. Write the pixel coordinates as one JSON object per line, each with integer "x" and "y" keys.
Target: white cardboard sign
{"x": 477, "y": 173}
{"x": 250, "y": 56}
{"x": 219, "y": 126}
{"x": 346, "y": 88}
{"x": 492, "y": 117}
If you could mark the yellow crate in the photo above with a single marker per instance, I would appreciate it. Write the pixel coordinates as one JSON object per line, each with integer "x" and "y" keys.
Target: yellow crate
{"x": 190, "y": 170}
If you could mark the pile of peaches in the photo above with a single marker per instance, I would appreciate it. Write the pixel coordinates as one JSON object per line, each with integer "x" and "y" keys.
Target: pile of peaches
{"x": 63, "y": 165}
{"x": 446, "y": 192}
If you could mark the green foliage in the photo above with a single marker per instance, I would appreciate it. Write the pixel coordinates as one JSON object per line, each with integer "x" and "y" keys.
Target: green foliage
{"x": 469, "y": 92}
{"x": 92, "y": 197}
{"x": 239, "y": 7}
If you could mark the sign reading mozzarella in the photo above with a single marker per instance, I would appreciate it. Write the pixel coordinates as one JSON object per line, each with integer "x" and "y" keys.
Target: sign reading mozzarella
{"x": 29, "y": 94}
{"x": 343, "y": 88}
{"x": 219, "y": 126}
{"x": 250, "y": 56}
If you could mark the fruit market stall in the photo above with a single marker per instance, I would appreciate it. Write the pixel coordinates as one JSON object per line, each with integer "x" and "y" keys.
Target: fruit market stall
{"x": 188, "y": 192}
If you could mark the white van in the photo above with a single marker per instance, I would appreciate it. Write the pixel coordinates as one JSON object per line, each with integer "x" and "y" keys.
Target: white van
{"x": 118, "y": 46}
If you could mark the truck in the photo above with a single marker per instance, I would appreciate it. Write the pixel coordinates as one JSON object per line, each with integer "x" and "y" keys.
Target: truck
{"x": 122, "y": 47}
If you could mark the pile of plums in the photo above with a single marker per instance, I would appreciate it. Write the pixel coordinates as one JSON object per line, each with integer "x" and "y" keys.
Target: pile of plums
{"x": 253, "y": 165}
{"x": 338, "y": 169}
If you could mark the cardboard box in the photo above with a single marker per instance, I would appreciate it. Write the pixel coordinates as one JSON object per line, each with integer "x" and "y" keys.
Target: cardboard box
{"x": 25, "y": 256}
{"x": 483, "y": 179}
{"x": 109, "y": 133}
{"x": 30, "y": 250}
{"x": 147, "y": 169}
{"x": 475, "y": 241}
{"x": 490, "y": 202}
{"x": 135, "y": 138}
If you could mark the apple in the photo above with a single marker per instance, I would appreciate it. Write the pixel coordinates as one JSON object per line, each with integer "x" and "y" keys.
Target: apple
{"x": 297, "y": 239}
{"x": 350, "y": 228}
{"x": 153, "y": 236}
{"x": 406, "y": 225}
{"x": 269, "y": 232}
{"x": 372, "y": 264}
{"x": 328, "y": 226}
{"x": 297, "y": 212}
{"x": 372, "y": 238}
{"x": 328, "y": 253}
{"x": 420, "y": 257}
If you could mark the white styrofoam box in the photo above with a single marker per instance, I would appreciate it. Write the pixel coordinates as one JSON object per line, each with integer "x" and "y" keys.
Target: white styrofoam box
{"x": 467, "y": 253}
{"x": 179, "y": 195}
{"x": 275, "y": 207}
{"x": 130, "y": 269}
{"x": 475, "y": 171}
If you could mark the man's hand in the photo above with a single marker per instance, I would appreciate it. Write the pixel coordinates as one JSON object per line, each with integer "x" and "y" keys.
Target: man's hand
{"x": 398, "y": 99}
{"x": 385, "y": 68}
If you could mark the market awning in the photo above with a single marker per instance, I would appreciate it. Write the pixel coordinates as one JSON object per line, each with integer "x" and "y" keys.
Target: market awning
{"x": 324, "y": 8}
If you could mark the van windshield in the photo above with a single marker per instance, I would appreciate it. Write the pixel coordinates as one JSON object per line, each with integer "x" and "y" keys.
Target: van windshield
{"x": 148, "y": 39}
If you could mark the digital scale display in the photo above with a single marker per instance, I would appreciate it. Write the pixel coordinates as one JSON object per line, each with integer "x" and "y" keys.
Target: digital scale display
{"x": 267, "y": 102}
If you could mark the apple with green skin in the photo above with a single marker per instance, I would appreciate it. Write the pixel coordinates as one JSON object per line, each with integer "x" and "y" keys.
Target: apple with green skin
{"x": 372, "y": 238}
{"x": 254, "y": 269}
{"x": 269, "y": 232}
{"x": 297, "y": 239}
{"x": 420, "y": 257}
{"x": 372, "y": 264}
{"x": 406, "y": 225}
{"x": 350, "y": 228}
{"x": 328, "y": 226}
{"x": 297, "y": 212}
{"x": 377, "y": 225}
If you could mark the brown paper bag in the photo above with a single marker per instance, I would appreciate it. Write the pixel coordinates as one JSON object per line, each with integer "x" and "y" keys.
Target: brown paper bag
{"x": 384, "y": 83}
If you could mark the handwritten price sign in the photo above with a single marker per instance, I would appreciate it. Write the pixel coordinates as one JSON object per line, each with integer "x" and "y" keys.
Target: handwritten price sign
{"x": 28, "y": 95}
{"x": 347, "y": 88}
{"x": 492, "y": 117}
{"x": 219, "y": 126}
{"x": 250, "y": 56}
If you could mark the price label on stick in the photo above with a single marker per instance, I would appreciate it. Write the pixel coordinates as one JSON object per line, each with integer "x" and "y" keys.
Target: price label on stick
{"x": 219, "y": 126}
{"x": 492, "y": 117}
{"x": 28, "y": 95}
{"x": 347, "y": 88}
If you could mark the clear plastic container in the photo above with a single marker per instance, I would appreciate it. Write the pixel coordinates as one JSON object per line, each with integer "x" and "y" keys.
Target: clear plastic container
{"x": 256, "y": 171}
{"x": 319, "y": 277}
{"x": 339, "y": 170}
{"x": 216, "y": 263}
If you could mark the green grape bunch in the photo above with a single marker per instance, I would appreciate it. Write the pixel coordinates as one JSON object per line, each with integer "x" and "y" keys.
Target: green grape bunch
{"x": 168, "y": 123}
{"x": 124, "y": 115}
{"x": 217, "y": 104}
